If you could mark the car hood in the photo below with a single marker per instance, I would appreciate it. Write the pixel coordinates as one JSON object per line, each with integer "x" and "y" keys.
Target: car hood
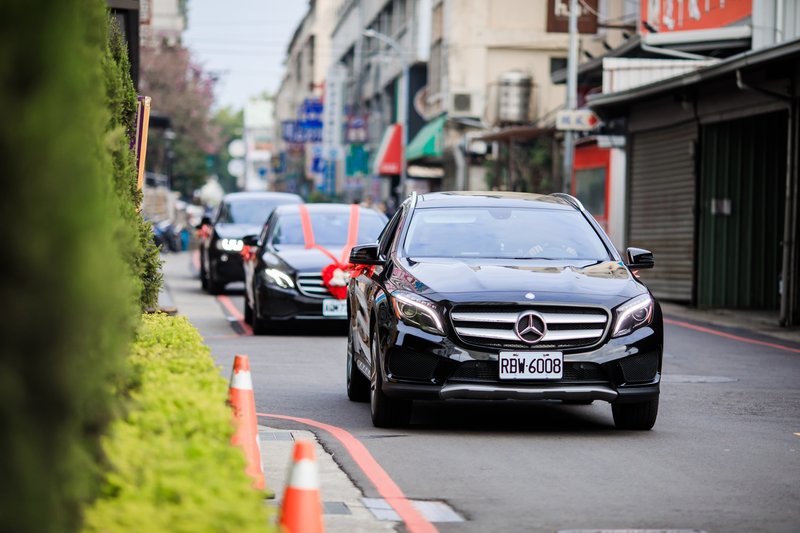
{"x": 301, "y": 259}
{"x": 605, "y": 283}
{"x": 236, "y": 231}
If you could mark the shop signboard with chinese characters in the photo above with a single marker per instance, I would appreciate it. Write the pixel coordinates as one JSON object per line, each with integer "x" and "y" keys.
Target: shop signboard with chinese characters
{"x": 685, "y": 15}
{"x": 558, "y": 16}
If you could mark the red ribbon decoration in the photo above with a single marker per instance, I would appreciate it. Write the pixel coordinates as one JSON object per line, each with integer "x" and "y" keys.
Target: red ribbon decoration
{"x": 334, "y": 276}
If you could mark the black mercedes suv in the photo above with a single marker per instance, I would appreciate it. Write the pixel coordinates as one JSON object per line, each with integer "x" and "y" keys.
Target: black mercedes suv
{"x": 501, "y": 296}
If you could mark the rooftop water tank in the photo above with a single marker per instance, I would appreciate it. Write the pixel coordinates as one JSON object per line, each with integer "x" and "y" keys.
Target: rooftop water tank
{"x": 515, "y": 97}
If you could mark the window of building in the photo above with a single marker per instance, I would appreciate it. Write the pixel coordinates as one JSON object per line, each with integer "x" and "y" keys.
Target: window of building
{"x": 557, "y": 63}
{"x": 590, "y": 189}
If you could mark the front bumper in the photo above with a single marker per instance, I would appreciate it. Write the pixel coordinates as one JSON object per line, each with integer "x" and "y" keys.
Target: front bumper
{"x": 288, "y": 304}
{"x": 422, "y": 366}
{"x": 226, "y": 267}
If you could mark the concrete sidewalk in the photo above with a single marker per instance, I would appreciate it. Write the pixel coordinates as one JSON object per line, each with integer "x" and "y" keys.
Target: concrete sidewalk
{"x": 345, "y": 510}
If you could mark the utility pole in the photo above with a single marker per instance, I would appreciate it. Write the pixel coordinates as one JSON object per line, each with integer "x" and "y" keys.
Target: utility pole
{"x": 572, "y": 93}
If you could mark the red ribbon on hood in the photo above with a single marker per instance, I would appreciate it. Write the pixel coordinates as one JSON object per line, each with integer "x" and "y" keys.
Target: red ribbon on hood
{"x": 335, "y": 275}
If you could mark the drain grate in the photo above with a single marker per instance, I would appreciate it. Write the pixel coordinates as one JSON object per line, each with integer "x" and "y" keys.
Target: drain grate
{"x": 433, "y": 511}
{"x": 340, "y": 508}
{"x": 276, "y": 435}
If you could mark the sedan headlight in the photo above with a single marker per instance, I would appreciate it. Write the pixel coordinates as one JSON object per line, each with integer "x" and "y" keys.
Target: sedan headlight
{"x": 633, "y": 314}
{"x": 273, "y": 276}
{"x": 230, "y": 245}
{"x": 417, "y": 311}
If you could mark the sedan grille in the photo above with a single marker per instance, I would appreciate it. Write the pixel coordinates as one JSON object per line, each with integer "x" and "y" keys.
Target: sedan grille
{"x": 492, "y": 327}
{"x": 310, "y": 284}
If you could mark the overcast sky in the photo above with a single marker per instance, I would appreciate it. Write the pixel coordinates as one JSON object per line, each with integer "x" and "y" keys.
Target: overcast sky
{"x": 243, "y": 42}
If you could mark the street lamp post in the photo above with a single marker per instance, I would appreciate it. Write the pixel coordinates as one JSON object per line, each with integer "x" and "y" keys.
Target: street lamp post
{"x": 403, "y": 102}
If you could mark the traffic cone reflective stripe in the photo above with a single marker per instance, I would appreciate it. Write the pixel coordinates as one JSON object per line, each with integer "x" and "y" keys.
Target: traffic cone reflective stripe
{"x": 243, "y": 402}
{"x": 302, "y": 507}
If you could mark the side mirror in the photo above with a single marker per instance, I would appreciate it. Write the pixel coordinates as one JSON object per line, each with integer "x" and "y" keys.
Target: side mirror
{"x": 366, "y": 254}
{"x": 639, "y": 258}
{"x": 250, "y": 240}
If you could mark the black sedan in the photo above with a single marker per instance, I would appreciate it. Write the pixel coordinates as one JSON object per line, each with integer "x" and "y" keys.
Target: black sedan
{"x": 239, "y": 214}
{"x": 501, "y": 296}
{"x": 297, "y": 268}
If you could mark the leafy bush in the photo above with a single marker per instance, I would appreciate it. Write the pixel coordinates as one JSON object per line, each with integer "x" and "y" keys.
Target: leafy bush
{"x": 172, "y": 465}
{"x": 67, "y": 293}
{"x": 135, "y": 235}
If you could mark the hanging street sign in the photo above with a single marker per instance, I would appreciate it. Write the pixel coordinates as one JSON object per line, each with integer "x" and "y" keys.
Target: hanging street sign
{"x": 577, "y": 120}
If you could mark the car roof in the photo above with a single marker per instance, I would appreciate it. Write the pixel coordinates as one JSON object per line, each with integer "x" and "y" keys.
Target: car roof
{"x": 260, "y": 195}
{"x": 493, "y": 199}
{"x": 323, "y": 208}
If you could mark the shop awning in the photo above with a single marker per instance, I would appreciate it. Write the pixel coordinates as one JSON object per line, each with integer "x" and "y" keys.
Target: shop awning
{"x": 387, "y": 159}
{"x": 428, "y": 143}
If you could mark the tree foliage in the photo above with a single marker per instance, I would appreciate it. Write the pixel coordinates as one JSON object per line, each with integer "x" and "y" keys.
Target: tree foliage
{"x": 184, "y": 93}
{"x": 230, "y": 124}
{"x": 69, "y": 294}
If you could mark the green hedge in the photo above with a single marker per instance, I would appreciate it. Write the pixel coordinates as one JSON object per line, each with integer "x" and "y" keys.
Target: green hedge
{"x": 68, "y": 298}
{"x": 172, "y": 465}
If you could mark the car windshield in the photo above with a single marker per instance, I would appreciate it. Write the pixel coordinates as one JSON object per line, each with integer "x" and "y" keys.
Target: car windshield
{"x": 497, "y": 232}
{"x": 330, "y": 229}
{"x": 253, "y": 212}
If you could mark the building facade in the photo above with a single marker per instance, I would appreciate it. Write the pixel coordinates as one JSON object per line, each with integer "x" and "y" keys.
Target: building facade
{"x": 299, "y": 101}
{"x": 711, "y": 161}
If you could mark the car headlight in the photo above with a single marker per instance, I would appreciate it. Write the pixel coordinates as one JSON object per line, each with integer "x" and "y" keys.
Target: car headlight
{"x": 273, "y": 276}
{"x": 633, "y": 314}
{"x": 230, "y": 245}
{"x": 417, "y": 311}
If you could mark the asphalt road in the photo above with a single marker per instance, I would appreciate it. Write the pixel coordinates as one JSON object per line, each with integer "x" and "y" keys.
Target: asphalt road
{"x": 724, "y": 454}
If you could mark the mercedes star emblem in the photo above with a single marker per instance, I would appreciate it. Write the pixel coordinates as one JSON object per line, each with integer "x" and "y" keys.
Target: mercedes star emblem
{"x": 530, "y": 327}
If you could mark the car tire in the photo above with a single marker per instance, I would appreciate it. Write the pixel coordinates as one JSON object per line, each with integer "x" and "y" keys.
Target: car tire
{"x": 639, "y": 416}
{"x": 358, "y": 386}
{"x": 261, "y": 326}
{"x": 203, "y": 280}
{"x": 214, "y": 287}
{"x": 386, "y": 412}
{"x": 248, "y": 311}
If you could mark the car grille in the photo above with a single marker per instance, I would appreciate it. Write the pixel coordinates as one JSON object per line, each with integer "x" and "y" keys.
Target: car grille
{"x": 310, "y": 284}
{"x": 487, "y": 371}
{"x": 492, "y": 327}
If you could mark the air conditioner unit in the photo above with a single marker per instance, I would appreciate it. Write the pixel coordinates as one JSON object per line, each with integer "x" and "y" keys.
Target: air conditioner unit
{"x": 465, "y": 104}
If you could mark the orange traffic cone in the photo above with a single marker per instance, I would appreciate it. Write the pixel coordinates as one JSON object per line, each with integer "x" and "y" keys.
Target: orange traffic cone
{"x": 302, "y": 508}
{"x": 241, "y": 398}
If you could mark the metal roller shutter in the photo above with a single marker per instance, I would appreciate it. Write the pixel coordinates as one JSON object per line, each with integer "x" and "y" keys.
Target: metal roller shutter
{"x": 661, "y": 203}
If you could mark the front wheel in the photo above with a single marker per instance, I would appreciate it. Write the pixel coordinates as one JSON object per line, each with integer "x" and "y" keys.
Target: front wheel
{"x": 640, "y": 415}
{"x": 386, "y": 412}
{"x": 358, "y": 386}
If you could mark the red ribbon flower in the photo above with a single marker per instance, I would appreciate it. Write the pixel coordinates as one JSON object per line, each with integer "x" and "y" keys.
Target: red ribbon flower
{"x": 335, "y": 277}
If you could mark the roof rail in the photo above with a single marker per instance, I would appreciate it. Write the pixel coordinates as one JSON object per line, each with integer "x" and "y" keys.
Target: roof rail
{"x": 413, "y": 199}
{"x": 569, "y": 199}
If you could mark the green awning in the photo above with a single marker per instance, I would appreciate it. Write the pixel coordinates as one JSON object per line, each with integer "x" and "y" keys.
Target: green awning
{"x": 429, "y": 142}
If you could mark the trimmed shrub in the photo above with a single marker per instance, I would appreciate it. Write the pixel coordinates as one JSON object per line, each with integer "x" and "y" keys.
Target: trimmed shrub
{"x": 136, "y": 235}
{"x": 67, "y": 293}
{"x": 172, "y": 465}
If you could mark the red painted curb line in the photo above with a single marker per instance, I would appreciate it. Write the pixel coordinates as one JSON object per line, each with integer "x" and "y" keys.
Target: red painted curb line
{"x": 710, "y": 331}
{"x": 228, "y": 304}
{"x": 387, "y": 488}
